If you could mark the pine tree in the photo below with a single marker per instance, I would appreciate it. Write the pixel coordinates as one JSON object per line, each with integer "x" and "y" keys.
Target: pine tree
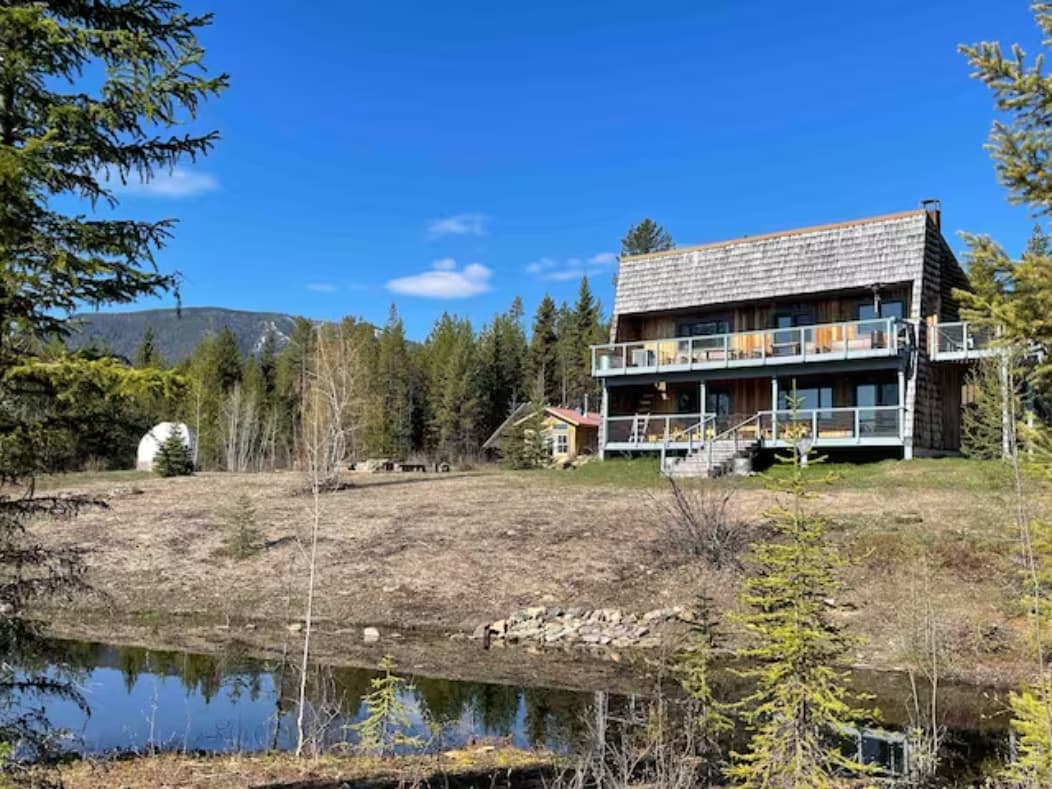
{"x": 88, "y": 94}
{"x": 801, "y": 700}
{"x": 393, "y": 420}
{"x": 147, "y": 354}
{"x": 502, "y": 350}
{"x": 647, "y": 236}
{"x": 453, "y": 392}
{"x": 174, "y": 457}
{"x": 588, "y": 330}
{"x": 543, "y": 353}
{"x": 226, "y": 360}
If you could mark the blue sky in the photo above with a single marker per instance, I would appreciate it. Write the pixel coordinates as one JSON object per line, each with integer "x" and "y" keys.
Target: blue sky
{"x": 448, "y": 156}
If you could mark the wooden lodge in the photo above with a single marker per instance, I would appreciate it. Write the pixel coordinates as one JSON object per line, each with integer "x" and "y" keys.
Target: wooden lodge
{"x": 708, "y": 342}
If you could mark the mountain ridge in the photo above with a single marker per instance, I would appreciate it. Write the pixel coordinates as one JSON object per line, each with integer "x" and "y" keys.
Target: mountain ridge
{"x": 177, "y": 331}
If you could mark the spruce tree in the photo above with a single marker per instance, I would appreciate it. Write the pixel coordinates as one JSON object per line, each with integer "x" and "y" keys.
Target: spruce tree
{"x": 588, "y": 330}
{"x": 174, "y": 457}
{"x": 393, "y": 418}
{"x": 89, "y": 92}
{"x": 647, "y": 236}
{"x": 502, "y": 350}
{"x": 801, "y": 701}
{"x": 543, "y": 354}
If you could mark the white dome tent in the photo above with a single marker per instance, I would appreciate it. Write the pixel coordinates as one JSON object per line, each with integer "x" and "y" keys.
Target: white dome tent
{"x": 158, "y": 434}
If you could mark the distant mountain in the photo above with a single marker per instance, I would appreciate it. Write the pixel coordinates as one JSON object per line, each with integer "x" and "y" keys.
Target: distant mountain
{"x": 177, "y": 333}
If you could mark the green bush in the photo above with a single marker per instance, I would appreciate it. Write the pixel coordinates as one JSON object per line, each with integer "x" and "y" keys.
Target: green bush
{"x": 174, "y": 458}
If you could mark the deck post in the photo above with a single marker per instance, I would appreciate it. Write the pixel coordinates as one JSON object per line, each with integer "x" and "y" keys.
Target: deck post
{"x": 908, "y": 451}
{"x": 774, "y": 408}
{"x": 604, "y": 413}
{"x": 703, "y": 394}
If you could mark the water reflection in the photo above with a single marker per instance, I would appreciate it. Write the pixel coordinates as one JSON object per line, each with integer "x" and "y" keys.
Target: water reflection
{"x": 144, "y": 699}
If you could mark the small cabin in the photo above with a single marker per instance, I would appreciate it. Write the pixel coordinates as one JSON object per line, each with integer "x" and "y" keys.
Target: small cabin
{"x": 568, "y": 433}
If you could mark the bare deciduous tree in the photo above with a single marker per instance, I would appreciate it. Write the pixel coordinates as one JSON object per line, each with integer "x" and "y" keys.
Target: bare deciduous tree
{"x": 334, "y": 415}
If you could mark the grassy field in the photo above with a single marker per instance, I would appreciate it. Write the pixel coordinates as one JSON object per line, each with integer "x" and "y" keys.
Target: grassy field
{"x": 445, "y": 553}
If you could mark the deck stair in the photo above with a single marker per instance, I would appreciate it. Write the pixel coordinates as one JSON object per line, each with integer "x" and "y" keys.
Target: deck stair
{"x": 717, "y": 455}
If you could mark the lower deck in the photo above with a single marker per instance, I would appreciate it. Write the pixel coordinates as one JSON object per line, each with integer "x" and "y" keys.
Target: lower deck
{"x": 853, "y": 409}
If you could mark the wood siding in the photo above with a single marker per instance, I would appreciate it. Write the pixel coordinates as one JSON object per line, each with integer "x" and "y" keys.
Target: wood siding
{"x": 751, "y": 317}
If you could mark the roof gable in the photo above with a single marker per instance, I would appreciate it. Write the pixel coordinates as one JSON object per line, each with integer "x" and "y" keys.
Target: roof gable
{"x": 811, "y": 260}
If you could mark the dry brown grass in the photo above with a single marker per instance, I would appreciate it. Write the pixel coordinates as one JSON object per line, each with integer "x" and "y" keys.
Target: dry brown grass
{"x": 446, "y": 553}
{"x": 168, "y": 771}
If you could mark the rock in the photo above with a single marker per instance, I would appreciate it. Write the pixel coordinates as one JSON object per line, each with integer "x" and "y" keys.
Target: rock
{"x": 657, "y": 615}
{"x": 500, "y": 626}
{"x": 574, "y": 612}
{"x": 295, "y": 627}
{"x": 480, "y": 631}
{"x": 551, "y": 636}
{"x": 536, "y": 612}
{"x": 649, "y": 643}
{"x": 250, "y": 626}
{"x": 370, "y": 635}
{"x": 389, "y": 589}
{"x": 642, "y": 631}
{"x": 590, "y": 638}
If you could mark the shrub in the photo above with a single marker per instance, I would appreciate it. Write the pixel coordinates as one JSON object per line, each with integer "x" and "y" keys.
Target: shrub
{"x": 701, "y": 522}
{"x": 174, "y": 458}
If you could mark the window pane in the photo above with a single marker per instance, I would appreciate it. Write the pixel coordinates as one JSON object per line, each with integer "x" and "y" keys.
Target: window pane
{"x": 891, "y": 309}
{"x": 866, "y": 312}
{"x": 865, "y": 395}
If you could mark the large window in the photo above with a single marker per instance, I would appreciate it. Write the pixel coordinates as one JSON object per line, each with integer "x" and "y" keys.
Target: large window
{"x": 807, "y": 399}
{"x": 870, "y": 395}
{"x": 703, "y": 328}
{"x": 888, "y": 308}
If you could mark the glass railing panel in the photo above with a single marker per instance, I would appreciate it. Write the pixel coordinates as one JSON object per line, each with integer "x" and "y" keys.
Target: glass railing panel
{"x": 619, "y": 430}
{"x": 608, "y": 357}
{"x": 640, "y": 355}
{"x": 747, "y": 345}
{"x": 879, "y": 422}
{"x": 685, "y": 427}
{"x": 672, "y": 352}
{"x": 979, "y": 337}
{"x": 785, "y": 342}
{"x": 950, "y": 338}
{"x": 707, "y": 350}
{"x": 820, "y": 340}
{"x": 836, "y": 424}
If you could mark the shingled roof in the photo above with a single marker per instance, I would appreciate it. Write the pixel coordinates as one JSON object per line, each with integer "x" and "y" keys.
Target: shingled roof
{"x": 853, "y": 254}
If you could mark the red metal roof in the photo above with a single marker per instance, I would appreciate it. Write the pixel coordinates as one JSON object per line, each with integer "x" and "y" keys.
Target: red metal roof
{"x": 575, "y": 418}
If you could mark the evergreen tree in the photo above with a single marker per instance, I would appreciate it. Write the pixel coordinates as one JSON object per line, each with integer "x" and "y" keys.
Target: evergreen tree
{"x": 502, "y": 349}
{"x": 65, "y": 139}
{"x": 393, "y": 420}
{"x": 1016, "y": 297}
{"x": 647, "y": 236}
{"x": 567, "y": 354}
{"x": 226, "y": 360}
{"x": 543, "y": 353}
{"x": 801, "y": 700}
{"x": 174, "y": 458}
{"x": 588, "y": 330}
{"x": 147, "y": 354}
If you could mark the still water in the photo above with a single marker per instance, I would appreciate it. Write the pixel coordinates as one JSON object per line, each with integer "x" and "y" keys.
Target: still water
{"x": 141, "y": 700}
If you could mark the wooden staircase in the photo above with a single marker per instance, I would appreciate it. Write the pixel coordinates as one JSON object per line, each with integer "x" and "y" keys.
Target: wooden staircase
{"x": 716, "y": 456}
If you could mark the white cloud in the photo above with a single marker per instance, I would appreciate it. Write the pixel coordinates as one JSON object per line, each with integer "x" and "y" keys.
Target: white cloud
{"x": 322, "y": 287}
{"x": 458, "y": 225}
{"x": 603, "y": 259}
{"x": 444, "y": 281}
{"x": 177, "y": 183}
{"x": 553, "y": 270}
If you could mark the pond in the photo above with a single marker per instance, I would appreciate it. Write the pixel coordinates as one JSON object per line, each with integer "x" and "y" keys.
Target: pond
{"x": 142, "y": 700}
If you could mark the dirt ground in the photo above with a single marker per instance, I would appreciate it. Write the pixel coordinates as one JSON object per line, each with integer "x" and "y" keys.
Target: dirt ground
{"x": 442, "y": 554}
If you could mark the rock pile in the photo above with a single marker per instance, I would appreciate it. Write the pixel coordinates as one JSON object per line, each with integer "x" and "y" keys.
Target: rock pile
{"x": 573, "y": 627}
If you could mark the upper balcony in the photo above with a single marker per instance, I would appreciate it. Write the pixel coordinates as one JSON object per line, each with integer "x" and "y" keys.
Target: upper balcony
{"x": 866, "y": 339}
{"x": 960, "y": 342}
